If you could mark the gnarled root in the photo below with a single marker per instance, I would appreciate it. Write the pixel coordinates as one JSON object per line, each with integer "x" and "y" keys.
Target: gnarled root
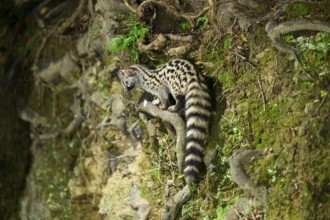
{"x": 239, "y": 176}
{"x": 173, "y": 204}
{"x": 175, "y": 120}
{"x": 274, "y": 32}
{"x": 137, "y": 202}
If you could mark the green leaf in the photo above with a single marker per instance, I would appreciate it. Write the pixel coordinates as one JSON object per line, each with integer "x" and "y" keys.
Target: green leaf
{"x": 129, "y": 41}
{"x": 323, "y": 93}
{"x": 203, "y": 22}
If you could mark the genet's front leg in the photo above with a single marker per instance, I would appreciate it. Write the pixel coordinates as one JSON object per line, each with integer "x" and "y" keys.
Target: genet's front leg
{"x": 163, "y": 95}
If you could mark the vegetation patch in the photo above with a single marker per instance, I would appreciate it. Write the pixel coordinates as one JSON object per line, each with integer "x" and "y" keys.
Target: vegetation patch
{"x": 129, "y": 41}
{"x": 318, "y": 10}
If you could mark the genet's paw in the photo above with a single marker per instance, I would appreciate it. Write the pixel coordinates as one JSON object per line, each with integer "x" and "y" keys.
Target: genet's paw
{"x": 163, "y": 107}
{"x": 172, "y": 108}
{"x": 156, "y": 102}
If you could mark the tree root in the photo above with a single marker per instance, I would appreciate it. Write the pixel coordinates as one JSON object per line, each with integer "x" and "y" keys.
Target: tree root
{"x": 175, "y": 120}
{"x": 148, "y": 10}
{"x": 78, "y": 119}
{"x": 163, "y": 43}
{"x": 274, "y": 32}
{"x": 29, "y": 115}
{"x": 231, "y": 13}
{"x": 239, "y": 176}
{"x": 115, "y": 108}
{"x": 137, "y": 202}
{"x": 58, "y": 29}
{"x": 57, "y": 70}
{"x": 173, "y": 204}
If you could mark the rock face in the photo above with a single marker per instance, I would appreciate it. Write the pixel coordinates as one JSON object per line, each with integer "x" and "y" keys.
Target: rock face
{"x": 81, "y": 167}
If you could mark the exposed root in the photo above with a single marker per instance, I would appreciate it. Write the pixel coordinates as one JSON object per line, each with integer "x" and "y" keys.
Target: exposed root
{"x": 152, "y": 12}
{"x": 174, "y": 204}
{"x": 163, "y": 42}
{"x": 137, "y": 202}
{"x": 157, "y": 44}
{"x": 231, "y": 13}
{"x": 57, "y": 70}
{"x": 29, "y": 115}
{"x": 239, "y": 176}
{"x": 151, "y": 131}
{"x": 179, "y": 51}
{"x": 78, "y": 119}
{"x": 57, "y": 30}
{"x": 175, "y": 120}
{"x": 129, "y": 6}
{"x": 116, "y": 117}
{"x": 274, "y": 32}
{"x": 186, "y": 39}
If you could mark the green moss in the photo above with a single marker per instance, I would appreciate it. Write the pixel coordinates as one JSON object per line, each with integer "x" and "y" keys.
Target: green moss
{"x": 262, "y": 7}
{"x": 57, "y": 161}
{"x": 152, "y": 195}
{"x": 225, "y": 77}
{"x": 298, "y": 9}
{"x": 316, "y": 10}
{"x": 267, "y": 55}
{"x": 314, "y": 60}
{"x": 260, "y": 34}
{"x": 185, "y": 26}
{"x": 217, "y": 56}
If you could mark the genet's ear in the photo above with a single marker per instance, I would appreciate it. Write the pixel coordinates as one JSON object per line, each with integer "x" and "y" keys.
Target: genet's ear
{"x": 129, "y": 72}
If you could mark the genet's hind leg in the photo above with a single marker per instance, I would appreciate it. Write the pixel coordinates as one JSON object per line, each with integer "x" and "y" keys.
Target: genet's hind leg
{"x": 179, "y": 103}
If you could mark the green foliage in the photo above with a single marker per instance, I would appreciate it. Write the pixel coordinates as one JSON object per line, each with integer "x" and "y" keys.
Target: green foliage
{"x": 226, "y": 78}
{"x": 323, "y": 93}
{"x": 260, "y": 34}
{"x": 217, "y": 56}
{"x": 319, "y": 42}
{"x": 226, "y": 43}
{"x": 305, "y": 85}
{"x": 202, "y": 22}
{"x": 185, "y": 26}
{"x": 314, "y": 54}
{"x": 221, "y": 211}
{"x": 129, "y": 41}
{"x": 319, "y": 10}
{"x": 288, "y": 38}
{"x": 300, "y": 9}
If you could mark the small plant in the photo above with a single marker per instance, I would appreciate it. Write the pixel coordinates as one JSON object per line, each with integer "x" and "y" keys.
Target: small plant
{"x": 129, "y": 41}
{"x": 288, "y": 38}
{"x": 184, "y": 26}
{"x": 202, "y": 22}
{"x": 300, "y": 9}
{"x": 222, "y": 211}
{"x": 314, "y": 54}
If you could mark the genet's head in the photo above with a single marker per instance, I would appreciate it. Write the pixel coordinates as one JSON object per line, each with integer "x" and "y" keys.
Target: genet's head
{"x": 129, "y": 78}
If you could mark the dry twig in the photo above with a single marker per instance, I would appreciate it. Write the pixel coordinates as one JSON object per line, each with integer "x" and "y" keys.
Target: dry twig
{"x": 262, "y": 94}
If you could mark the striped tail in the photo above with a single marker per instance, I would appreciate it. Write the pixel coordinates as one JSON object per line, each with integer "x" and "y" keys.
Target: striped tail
{"x": 198, "y": 107}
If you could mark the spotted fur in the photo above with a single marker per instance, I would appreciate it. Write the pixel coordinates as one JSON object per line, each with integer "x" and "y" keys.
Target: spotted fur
{"x": 179, "y": 78}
